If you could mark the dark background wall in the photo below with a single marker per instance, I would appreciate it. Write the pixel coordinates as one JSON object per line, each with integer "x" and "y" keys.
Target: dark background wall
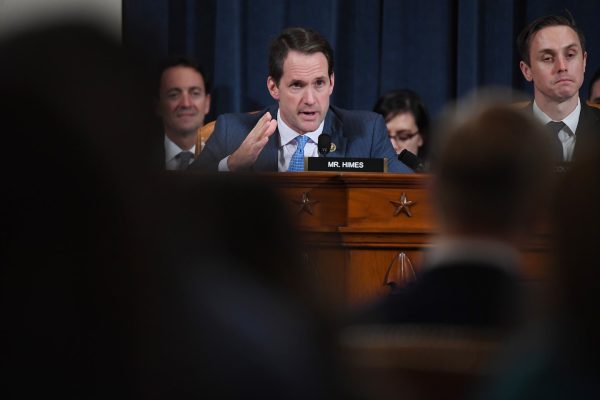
{"x": 440, "y": 48}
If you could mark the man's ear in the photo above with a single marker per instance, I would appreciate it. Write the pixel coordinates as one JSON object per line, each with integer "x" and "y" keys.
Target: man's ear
{"x": 526, "y": 71}
{"x": 207, "y": 104}
{"x": 332, "y": 79}
{"x": 273, "y": 88}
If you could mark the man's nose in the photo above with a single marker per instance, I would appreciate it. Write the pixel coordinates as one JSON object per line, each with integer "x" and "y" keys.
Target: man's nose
{"x": 309, "y": 96}
{"x": 561, "y": 63}
{"x": 185, "y": 100}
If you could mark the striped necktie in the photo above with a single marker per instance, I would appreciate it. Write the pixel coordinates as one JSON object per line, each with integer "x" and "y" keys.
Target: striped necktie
{"x": 183, "y": 160}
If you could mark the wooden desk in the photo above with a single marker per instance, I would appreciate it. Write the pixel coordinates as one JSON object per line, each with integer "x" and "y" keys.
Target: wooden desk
{"x": 359, "y": 237}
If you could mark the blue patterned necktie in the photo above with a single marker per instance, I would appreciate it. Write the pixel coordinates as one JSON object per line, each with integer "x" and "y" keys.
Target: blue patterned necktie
{"x": 297, "y": 161}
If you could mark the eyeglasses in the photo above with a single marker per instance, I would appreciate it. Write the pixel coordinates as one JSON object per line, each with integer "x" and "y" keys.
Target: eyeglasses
{"x": 403, "y": 136}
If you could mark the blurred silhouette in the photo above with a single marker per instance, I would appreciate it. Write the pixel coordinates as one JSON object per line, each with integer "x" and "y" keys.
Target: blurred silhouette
{"x": 556, "y": 355}
{"x": 237, "y": 316}
{"x": 489, "y": 196}
{"x": 407, "y": 122}
{"x": 76, "y": 174}
{"x": 487, "y": 192}
{"x": 114, "y": 283}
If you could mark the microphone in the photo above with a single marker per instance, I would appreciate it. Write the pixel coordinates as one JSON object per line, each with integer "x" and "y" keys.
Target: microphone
{"x": 324, "y": 144}
{"x": 408, "y": 158}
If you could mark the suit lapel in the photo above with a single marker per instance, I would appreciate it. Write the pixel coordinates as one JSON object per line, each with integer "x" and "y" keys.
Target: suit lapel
{"x": 334, "y": 127}
{"x": 588, "y": 130}
{"x": 588, "y": 120}
{"x": 267, "y": 159}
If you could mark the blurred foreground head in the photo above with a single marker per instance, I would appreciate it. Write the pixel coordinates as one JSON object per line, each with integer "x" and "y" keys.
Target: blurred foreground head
{"x": 119, "y": 280}
{"x": 76, "y": 178}
{"x": 233, "y": 313}
{"x": 492, "y": 170}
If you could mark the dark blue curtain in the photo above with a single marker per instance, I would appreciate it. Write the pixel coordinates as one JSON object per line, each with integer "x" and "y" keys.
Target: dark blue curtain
{"x": 441, "y": 49}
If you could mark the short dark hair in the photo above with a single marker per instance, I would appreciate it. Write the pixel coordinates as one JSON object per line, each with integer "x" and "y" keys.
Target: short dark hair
{"x": 595, "y": 77}
{"x": 303, "y": 40}
{"x": 183, "y": 61}
{"x": 403, "y": 100}
{"x": 526, "y": 35}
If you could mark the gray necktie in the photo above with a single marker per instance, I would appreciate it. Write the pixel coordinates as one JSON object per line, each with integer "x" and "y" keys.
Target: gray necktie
{"x": 183, "y": 160}
{"x": 554, "y": 128}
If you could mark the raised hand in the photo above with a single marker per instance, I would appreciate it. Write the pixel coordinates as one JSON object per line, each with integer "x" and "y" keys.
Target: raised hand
{"x": 257, "y": 139}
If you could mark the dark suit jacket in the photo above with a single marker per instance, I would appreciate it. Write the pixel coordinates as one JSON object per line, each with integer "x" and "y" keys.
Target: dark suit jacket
{"x": 468, "y": 294}
{"x": 588, "y": 128}
{"x": 355, "y": 134}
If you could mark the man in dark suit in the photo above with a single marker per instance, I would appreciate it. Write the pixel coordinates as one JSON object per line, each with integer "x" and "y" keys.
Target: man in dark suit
{"x": 553, "y": 57}
{"x": 301, "y": 80}
{"x": 183, "y": 101}
{"x": 488, "y": 195}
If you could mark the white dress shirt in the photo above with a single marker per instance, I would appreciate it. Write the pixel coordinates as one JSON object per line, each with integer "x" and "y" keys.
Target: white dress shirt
{"x": 287, "y": 145}
{"x": 567, "y": 133}
{"x": 171, "y": 151}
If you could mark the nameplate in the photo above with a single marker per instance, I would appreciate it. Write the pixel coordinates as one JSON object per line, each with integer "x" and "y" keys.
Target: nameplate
{"x": 343, "y": 164}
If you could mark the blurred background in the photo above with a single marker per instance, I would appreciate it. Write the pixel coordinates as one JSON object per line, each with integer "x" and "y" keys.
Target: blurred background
{"x": 442, "y": 49}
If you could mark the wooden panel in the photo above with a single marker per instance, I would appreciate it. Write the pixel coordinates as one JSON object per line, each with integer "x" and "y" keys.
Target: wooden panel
{"x": 366, "y": 272}
{"x": 317, "y": 202}
{"x": 374, "y": 201}
{"x": 351, "y": 234}
{"x": 380, "y": 208}
{"x": 325, "y": 267}
{"x": 319, "y": 208}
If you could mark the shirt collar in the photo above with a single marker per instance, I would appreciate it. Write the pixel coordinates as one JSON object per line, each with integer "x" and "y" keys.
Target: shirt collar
{"x": 571, "y": 120}
{"x": 171, "y": 149}
{"x": 287, "y": 134}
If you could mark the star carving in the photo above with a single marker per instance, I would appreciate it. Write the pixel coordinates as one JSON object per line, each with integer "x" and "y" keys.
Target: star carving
{"x": 403, "y": 205}
{"x": 306, "y": 203}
